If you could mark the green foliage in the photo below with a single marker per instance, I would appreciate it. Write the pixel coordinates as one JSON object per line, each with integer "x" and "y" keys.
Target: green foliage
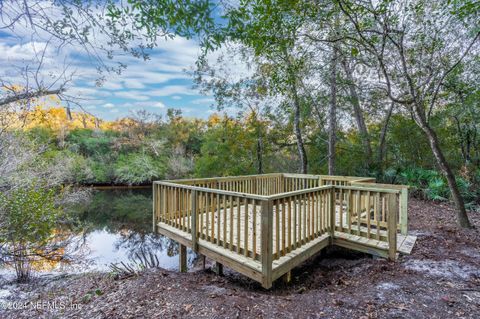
{"x": 227, "y": 149}
{"x": 29, "y": 214}
{"x": 29, "y": 222}
{"x": 430, "y": 184}
{"x": 137, "y": 168}
{"x": 90, "y": 143}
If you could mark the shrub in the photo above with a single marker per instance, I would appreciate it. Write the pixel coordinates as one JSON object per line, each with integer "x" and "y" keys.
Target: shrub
{"x": 138, "y": 168}
{"x": 29, "y": 219}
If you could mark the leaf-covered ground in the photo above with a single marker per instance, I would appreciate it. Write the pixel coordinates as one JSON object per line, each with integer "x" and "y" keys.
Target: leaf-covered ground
{"x": 441, "y": 279}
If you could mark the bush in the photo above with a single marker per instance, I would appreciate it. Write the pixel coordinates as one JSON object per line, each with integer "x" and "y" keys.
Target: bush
{"x": 430, "y": 184}
{"x": 138, "y": 168}
{"x": 29, "y": 218}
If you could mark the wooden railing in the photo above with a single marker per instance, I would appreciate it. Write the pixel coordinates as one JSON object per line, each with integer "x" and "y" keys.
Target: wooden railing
{"x": 299, "y": 217}
{"x": 368, "y": 213}
{"x": 230, "y": 220}
{"x": 265, "y": 184}
{"x": 266, "y": 217}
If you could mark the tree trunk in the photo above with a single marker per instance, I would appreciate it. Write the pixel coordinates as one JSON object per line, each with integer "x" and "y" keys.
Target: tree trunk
{"x": 462, "y": 217}
{"x": 382, "y": 148}
{"x": 296, "y": 116}
{"x": 69, "y": 113}
{"x": 332, "y": 112}
{"x": 358, "y": 114}
{"x": 259, "y": 150}
{"x": 298, "y": 133}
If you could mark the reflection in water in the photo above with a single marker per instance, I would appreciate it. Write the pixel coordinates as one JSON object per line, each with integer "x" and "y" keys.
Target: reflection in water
{"x": 118, "y": 225}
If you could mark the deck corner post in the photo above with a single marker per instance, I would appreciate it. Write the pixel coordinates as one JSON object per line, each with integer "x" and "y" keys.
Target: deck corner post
{"x": 392, "y": 226}
{"x": 332, "y": 207}
{"x": 194, "y": 229}
{"x": 404, "y": 211}
{"x": 267, "y": 242}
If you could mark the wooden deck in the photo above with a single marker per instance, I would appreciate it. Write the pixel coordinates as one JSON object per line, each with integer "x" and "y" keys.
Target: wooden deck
{"x": 287, "y": 220}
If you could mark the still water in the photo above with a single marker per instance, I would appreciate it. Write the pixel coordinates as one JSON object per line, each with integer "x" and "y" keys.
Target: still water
{"x": 118, "y": 225}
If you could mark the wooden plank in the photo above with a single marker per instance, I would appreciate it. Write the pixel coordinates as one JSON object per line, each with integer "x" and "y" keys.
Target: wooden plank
{"x": 367, "y": 210}
{"x": 245, "y": 228}
{"x": 352, "y": 243}
{"x": 238, "y": 224}
{"x": 289, "y": 224}
{"x": 231, "y": 223}
{"x": 331, "y": 213}
{"x": 239, "y": 263}
{"x": 407, "y": 245}
{"x": 277, "y": 230}
{"x": 403, "y": 221}
{"x": 267, "y": 242}
{"x": 224, "y": 221}
{"x": 295, "y": 239}
{"x": 392, "y": 226}
{"x": 194, "y": 229}
{"x": 175, "y": 234}
{"x": 283, "y": 227}
{"x": 212, "y": 190}
{"x": 254, "y": 232}
{"x": 296, "y": 257}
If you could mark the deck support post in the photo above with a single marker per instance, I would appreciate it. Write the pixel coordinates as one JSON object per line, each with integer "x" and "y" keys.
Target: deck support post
{"x": 267, "y": 242}
{"x": 287, "y": 277}
{"x": 183, "y": 258}
{"x": 204, "y": 261}
{"x": 392, "y": 226}
{"x": 218, "y": 268}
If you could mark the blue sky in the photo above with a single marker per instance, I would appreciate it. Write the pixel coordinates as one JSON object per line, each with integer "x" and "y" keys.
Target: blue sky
{"x": 155, "y": 85}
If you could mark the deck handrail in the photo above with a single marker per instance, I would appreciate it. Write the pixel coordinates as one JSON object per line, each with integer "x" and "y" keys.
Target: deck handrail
{"x": 223, "y": 178}
{"x": 213, "y": 190}
{"x": 265, "y": 229}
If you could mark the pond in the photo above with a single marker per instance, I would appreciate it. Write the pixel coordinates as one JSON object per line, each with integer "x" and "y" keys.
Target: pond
{"x": 118, "y": 225}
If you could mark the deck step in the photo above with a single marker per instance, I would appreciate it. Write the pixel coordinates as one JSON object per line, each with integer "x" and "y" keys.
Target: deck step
{"x": 404, "y": 243}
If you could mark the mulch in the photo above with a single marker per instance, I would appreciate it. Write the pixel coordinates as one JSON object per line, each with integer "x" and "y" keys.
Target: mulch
{"x": 441, "y": 279}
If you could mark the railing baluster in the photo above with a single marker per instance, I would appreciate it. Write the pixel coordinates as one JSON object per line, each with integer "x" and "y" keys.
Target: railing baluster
{"x": 245, "y": 223}
{"x": 254, "y": 229}
{"x": 367, "y": 210}
{"x": 231, "y": 223}
{"x": 218, "y": 219}
{"x": 238, "y": 224}
{"x": 224, "y": 221}
{"x": 277, "y": 230}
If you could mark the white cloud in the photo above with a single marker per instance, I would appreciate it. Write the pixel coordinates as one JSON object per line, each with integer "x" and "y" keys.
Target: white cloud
{"x": 109, "y": 85}
{"x": 131, "y": 84}
{"x": 132, "y": 95}
{"x": 169, "y": 90}
{"x": 108, "y": 105}
{"x": 176, "y": 97}
{"x": 159, "y": 105}
{"x": 204, "y": 101}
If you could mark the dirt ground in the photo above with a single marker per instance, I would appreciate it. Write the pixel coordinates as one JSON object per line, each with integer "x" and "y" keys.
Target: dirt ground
{"x": 441, "y": 279}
